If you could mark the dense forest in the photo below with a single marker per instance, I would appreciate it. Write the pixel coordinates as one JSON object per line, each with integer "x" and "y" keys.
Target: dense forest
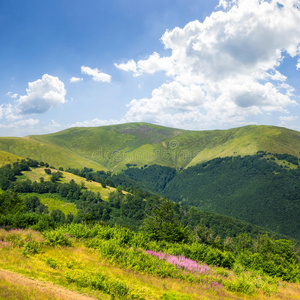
{"x": 256, "y": 189}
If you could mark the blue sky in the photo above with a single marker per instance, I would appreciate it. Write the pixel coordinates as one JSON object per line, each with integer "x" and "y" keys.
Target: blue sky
{"x": 183, "y": 63}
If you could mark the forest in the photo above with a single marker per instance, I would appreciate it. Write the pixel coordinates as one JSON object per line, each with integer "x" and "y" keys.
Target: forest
{"x": 261, "y": 189}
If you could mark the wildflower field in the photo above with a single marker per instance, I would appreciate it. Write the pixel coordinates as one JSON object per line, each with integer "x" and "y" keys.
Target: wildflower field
{"x": 115, "y": 263}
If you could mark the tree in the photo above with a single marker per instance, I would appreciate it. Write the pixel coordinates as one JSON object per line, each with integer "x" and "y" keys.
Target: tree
{"x": 163, "y": 223}
{"x": 58, "y": 216}
{"x": 45, "y": 222}
{"x": 69, "y": 218}
{"x": 47, "y": 171}
{"x": 10, "y": 203}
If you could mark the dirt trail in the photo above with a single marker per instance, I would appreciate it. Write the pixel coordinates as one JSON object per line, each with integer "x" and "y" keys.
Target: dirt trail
{"x": 44, "y": 287}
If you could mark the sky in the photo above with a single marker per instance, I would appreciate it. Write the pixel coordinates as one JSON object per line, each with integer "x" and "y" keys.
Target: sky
{"x": 189, "y": 64}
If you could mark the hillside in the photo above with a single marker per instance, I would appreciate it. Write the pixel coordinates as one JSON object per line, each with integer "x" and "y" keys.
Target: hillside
{"x": 98, "y": 262}
{"x": 227, "y": 188}
{"x": 8, "y": 158}
{"x": 36, "y": 173}
{"x": 260, "y": 189}
{"x": 112, "y": 147}
{"x": 173, "y": 252}
{"x": 78, "y": 198}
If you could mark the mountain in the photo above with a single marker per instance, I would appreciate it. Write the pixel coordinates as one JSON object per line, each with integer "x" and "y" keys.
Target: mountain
{"x": 117, "y": 146}
{"x": 249, "y": 173}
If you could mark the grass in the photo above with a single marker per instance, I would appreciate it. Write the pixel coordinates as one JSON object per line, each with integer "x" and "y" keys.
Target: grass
{"x": 10, "y": 289}
{"x": 8, "y": 158}
{"x": 36, "y": 173}
{"x": 50, "y": 153}
{"x": 55, "y": 265}
{"x": 111, "y": 147}
{"x": 54, "y": 201}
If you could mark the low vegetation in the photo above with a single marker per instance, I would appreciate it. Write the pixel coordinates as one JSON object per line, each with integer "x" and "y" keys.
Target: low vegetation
{"x": 115, "y": 262}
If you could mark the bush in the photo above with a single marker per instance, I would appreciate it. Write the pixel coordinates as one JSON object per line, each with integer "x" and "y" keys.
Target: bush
{"x": 98, "y": 281}
{"x": 56, "y": 238}
{"x": 31, "y": 247}
{"x": 52, "y": 263}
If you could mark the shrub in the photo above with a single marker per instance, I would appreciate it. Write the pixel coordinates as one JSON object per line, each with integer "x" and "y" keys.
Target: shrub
{"x": 98, "y": 281}
{"x": 56, "y": 238}
{"x": 31, "y": 248}
{"x": 52, "y": 263}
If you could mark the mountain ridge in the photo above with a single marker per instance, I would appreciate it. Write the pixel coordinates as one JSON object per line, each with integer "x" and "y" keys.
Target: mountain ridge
{"x": 113, "y": 147}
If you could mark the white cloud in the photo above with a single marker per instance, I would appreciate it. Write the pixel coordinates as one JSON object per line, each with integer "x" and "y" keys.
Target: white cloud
{"x": 12, "y": 95}
{"x": 286, "y": 121}
{"x": 9, "y": 112}
{"x": 21, "y": 124}
{"x": 224, "y": 69}
{"x": 96, "y": 74}
{"x": 52, "y": 126}
{"x": 151, "y": 65}
{"x": 96, "y": 122}
{"x": 298, "y": 64}
{"x": 75, "y": 79}
{"x": 287, "y": 118}
{"x": 42, "y": 95}
{"x": 129, "y": 66}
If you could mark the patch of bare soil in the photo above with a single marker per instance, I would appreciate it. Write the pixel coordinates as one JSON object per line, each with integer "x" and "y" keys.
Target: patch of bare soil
{"x": 54, "y": 291}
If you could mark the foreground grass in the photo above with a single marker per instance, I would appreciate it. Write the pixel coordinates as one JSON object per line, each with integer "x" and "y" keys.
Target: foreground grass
{"x": 26, "y": 252}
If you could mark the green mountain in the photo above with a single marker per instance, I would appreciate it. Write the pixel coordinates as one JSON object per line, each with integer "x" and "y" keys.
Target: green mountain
{"x": 114, "y": 147}
{"x": 261, "y": 189}
{"x": 202, "y": 170}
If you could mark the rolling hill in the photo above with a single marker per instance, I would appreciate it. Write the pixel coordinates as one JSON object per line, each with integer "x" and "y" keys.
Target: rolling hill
{"x": 250, "y": 191}
{"x": 113, "y": 147}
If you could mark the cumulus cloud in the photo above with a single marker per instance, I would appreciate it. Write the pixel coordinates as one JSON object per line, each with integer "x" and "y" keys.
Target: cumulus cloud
{"x": 223, "y": 69}
{"x": 75, "y": 79}
{"x": 42, "y": 95}
{"x": 129, "y": 66}
{"x": 151, "y": 65}
{"x": 96, "y": 74}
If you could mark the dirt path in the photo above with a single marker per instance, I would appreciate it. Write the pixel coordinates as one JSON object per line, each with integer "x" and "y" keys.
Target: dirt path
{"x": 43, "y": 288}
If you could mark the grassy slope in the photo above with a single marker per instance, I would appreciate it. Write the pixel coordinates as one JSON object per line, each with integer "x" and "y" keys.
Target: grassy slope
{"x": 112, "y": 147}
{"x": 36, "y": 173}
{"x": 52, "y": 264}
{"x": 8, "y": 158}
{"x": 53, "y": 201}
{"x": 141, "y": 143}
{"x": 50, "y": 153}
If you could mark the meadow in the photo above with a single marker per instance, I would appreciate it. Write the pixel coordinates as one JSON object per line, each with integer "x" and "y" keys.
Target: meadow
{"x": 115, "y": 263}
{"x": 36, "y": 173}
{"x": 113, "y": 147}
